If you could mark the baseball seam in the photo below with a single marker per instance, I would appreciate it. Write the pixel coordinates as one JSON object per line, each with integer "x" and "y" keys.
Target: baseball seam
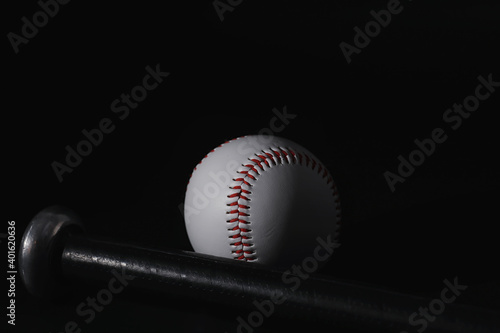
{"x": 222, "y": 144}
{"x": 238, "y": 221}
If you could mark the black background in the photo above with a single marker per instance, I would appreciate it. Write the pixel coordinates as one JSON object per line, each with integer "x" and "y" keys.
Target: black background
{"x": 225, "y": 79}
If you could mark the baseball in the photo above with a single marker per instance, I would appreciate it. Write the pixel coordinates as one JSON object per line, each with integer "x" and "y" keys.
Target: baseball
{"x": 261, "y": 199}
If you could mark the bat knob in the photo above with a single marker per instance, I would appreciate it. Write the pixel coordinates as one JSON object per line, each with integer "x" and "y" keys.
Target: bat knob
{"x": 41, "y": 248}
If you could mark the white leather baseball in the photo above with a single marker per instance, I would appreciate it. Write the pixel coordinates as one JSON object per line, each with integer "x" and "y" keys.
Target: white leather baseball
{"x": 260, "y": 198}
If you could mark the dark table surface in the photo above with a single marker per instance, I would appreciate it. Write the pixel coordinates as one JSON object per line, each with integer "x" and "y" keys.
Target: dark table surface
{"x": 226, "y": 78}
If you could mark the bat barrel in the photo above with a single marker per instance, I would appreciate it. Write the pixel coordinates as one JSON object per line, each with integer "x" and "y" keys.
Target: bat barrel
{"x": 252, "y": 286}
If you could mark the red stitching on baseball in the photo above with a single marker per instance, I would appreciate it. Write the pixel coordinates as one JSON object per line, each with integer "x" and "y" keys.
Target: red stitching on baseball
{"x": 263, "y": 158}
{"x": 213, "y": 150}
{"x": 277, "y": 155}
